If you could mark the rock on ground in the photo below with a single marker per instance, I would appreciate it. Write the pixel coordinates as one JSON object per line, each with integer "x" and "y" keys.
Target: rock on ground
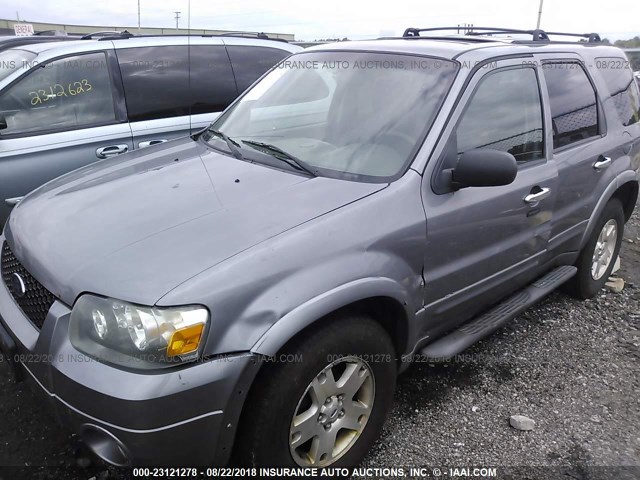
{"x": 520, "y": 422}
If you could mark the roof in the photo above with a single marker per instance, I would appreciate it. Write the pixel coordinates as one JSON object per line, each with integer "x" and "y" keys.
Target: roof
{"x": 87, "y": 45}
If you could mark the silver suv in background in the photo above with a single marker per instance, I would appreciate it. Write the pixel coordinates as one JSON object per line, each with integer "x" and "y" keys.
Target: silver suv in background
{"x": 64, "y": 105}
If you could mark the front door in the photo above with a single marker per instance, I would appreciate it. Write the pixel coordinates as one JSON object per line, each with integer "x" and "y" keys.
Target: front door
{"x": 484, "y": 242}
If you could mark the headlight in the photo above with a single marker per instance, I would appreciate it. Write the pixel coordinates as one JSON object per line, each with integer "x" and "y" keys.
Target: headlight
{"x": 136, "y": 336}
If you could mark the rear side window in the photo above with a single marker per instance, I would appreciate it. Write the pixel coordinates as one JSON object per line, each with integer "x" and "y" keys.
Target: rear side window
{"x": 504, "y": 113}
{"x": 250, "y": 63}
{"x": 156, "y": 81}
{"x": 64, "y": 94}
{"x": 621, "y": 88}
{"x": 573, "y": 103}
{"x": 212, "y": 85}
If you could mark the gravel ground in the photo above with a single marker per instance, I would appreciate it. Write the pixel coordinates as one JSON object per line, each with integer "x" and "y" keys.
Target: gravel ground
{"x": 571, "y": 366}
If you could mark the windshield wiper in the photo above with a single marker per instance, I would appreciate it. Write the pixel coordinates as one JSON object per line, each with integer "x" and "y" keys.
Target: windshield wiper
{"x": 232, "y": 144}
{"x": 277, "y": 152}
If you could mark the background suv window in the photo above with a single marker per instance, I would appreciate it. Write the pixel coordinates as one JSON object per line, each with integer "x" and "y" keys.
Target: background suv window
{"x": 574, "y": 108}
{"x": 212, "y": 84}
{"x": 622, "y": 89}
{"x": 250, "y": 63}
{"x": 504, "y": 113}
{"x": 156, "y": 81}
{"x": 65, "y": 94}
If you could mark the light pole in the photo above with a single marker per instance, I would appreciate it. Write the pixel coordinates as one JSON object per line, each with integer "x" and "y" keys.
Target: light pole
{"x": 138, "y": 17}
{"x": 539, "y": 14}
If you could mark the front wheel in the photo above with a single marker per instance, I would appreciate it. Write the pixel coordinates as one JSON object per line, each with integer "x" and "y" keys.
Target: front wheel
{"x": 598, "y": 256}
{"x": 327, "y": 404}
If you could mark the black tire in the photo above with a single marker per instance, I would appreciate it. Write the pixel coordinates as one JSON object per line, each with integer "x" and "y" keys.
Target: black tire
{"x": 264, "y": 431}
{"x": 583, "y": 285}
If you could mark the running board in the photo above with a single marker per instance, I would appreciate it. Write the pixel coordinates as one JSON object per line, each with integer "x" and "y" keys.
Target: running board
{"x": 477, "y": 329}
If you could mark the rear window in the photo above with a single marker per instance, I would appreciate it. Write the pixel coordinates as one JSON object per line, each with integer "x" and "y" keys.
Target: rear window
{"x": 622, "y": 89}
{"x": 250, "y": 63}
{"x": 573, "y": 102}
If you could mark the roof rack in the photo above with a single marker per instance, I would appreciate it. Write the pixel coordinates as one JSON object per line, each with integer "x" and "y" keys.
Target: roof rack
{"x": 537, "y": 34}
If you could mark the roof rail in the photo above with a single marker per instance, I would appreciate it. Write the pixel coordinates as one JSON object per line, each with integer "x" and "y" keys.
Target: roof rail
{"x": 260, "y": 35}
{"x": 52, "y": 33}
{"x": 106, "y": 33}
{"x": 537, "y": 34}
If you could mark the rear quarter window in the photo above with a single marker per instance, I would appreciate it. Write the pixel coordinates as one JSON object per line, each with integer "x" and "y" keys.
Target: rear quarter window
{"x": 621, "y": 88}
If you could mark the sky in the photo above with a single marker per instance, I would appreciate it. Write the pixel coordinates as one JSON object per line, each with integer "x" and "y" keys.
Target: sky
{"x": 355, "y": 19}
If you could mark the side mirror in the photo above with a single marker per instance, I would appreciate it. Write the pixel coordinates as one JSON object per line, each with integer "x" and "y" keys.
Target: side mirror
{"x": 484, "y": 167}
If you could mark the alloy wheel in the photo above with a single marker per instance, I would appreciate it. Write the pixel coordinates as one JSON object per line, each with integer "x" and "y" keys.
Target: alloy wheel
{"x": 332, "y": 413}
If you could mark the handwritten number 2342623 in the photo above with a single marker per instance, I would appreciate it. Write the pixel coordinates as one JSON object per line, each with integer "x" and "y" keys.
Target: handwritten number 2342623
{"x": 52, "y": 92}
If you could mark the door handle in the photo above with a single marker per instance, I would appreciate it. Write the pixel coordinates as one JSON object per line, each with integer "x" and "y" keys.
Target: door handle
{"x": 12, "y": 202}
{"x": 602, "y": 163}
{"x": 537, "y": 196}
{"x": 151, "y": 142}
{"x": 111, "y": 150}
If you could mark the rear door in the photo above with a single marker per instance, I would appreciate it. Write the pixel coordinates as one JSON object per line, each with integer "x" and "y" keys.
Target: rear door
{"x": 581, "y": 150}
{"x": 61, "y": 115}
{"x": 484, "y": 242}
{"x": 156, "y": 86}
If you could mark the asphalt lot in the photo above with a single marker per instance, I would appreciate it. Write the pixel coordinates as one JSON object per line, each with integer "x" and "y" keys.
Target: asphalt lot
{"x": 571, "y": 366}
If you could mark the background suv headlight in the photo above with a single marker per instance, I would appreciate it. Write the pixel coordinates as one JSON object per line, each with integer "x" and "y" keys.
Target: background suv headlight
{"x": 137, "y": 336}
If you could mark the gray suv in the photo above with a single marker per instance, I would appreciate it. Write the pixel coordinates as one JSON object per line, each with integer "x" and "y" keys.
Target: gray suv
{"x": 251, "y": 293}
{"x": 64, "y": 105}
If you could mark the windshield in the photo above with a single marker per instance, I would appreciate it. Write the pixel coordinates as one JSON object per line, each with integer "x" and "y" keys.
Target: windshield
{"x": 14, "y": 59}
{"x": 357, "y": 115}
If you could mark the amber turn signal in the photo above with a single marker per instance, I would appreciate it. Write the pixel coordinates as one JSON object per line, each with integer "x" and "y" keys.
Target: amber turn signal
{"x": 185, "y": 341}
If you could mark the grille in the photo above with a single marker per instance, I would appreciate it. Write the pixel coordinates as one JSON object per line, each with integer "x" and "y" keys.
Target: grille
{"x": 37, "y": 300}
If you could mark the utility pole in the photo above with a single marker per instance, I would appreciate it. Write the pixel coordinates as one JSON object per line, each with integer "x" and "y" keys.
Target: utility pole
{"x": 177, "y": 19}
{"x": 539, "y": 14}
{"x": 138, "y": 17}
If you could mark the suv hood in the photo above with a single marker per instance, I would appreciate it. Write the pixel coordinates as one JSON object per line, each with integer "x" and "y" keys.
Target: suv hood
{"x": 137, "y": 226}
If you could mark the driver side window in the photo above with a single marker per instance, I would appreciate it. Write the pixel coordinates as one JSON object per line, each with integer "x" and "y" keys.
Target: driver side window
{"x": 504, "y": 113}
{"x": 65, "y": 94}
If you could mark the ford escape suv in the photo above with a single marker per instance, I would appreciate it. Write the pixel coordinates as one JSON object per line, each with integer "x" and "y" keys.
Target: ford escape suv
{"x": 250, "y": 294}
{"x": 67, "y": 104}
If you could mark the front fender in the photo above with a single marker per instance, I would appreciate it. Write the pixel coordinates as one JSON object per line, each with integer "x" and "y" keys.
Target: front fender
{"x": 316, "y": 308}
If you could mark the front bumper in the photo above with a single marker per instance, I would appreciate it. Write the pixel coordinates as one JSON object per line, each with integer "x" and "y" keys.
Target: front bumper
{"x": 177, "y": 417}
